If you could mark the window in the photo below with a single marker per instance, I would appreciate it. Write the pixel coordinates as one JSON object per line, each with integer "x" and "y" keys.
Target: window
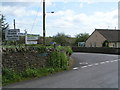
{"x": 90, "y": 44}
{"x": 113, "y": 44}
{"x": 94, "y": 44}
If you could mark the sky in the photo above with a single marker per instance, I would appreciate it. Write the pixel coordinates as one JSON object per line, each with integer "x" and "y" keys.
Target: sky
{"x": 70, "y": 16}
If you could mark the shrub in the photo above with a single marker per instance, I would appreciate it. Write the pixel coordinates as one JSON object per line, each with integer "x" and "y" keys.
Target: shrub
{"x": 30, "y": 73}
{"x": 66, "y": 49}
{"x": 58, "y": 60}
{"x": 105, "y": 44}
{"x": 9, "y": 75}
{"x": 64, "y": 60}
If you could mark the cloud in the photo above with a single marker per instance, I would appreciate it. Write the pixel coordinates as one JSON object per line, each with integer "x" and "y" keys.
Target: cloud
{"x": 72, "y": 23}
{"x": 20, "y": 11}
{"x": 65, "y": 1}
{"x": 67, "y": 21}
{"x": 81, "y": 5}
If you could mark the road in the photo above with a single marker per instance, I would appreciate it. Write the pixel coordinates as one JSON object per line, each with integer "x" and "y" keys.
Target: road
{"x": 90, "y": 71}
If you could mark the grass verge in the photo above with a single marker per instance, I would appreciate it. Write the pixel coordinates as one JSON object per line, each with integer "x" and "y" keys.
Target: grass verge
{"x": 10, "y": 76}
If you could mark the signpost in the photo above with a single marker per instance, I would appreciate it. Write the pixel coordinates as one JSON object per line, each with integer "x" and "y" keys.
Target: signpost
{"x": 12, "y": 34}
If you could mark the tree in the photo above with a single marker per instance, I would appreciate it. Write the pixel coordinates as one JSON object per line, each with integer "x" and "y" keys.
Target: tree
{"x": 60, "y": 38}
{"x": 3, "y": 26}
{"x": 105, "y": 43}
{"x": 82, "y": 37}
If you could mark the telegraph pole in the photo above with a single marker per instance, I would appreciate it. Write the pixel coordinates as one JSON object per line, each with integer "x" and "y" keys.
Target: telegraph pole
{"x": 14, "y": 23}
{"x": 44, "y": 22}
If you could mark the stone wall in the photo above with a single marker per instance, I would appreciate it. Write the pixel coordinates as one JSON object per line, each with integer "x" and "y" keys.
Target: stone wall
{"x": 20, "y": 59}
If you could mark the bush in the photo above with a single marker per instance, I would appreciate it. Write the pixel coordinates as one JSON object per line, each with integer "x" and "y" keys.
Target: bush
{"x": 105, "y": 44}
{"x": 64, "y": 60}
{"x": 58, "y": 60}
{"x": 9, "y": 76}
{"x": 30, "y": 73}
{"x": 39, "y": 48}
{"x": 66, "y": 49}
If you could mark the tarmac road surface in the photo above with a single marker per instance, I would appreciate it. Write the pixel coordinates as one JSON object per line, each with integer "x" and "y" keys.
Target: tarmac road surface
{"x": 91, "y": 70}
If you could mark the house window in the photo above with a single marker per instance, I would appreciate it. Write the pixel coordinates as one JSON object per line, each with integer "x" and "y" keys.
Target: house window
{"x": 90, "y": 44}
{"x": 116, "y": 45}
{"x": 94, "y": 44}
{"x": 113, "y": 44}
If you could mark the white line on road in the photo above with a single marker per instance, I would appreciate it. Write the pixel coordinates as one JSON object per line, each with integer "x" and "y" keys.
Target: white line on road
{"x": 75, "y": 68}
{"x": 107, "y": 61}
{"x": 111, "y": 61}
{"x": 115, "y": 60}
{"x": 96, "y": 64}
{"x": 84, "y": 66}
{"x": 83, "y": 63}
{"x": 102, "y": 62}
{"x": 90, "y": 65}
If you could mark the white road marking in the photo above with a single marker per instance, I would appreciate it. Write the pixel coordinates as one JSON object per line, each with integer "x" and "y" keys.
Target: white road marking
{"x": 90, "y": 65}
{"x": 75, "y": 68}
{"x": 107, "y": 61}
{"x": 84, "y": 66}
{"x": 102, "y": 62}
{"x": 86, "y": 63}
{"x": 111, "y": 61}
{"x": 96, "y": 64}
{"x": 83, "y": 63}
{"x": 115, "y": 60}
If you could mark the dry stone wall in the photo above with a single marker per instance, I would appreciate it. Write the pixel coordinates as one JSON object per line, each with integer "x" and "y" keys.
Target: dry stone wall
{"x": 20, "y": 59}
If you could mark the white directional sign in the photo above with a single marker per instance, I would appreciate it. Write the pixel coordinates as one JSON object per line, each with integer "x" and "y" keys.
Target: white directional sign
{"x": 12, "y": 34}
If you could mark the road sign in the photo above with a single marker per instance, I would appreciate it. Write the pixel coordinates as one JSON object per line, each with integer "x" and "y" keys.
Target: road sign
{"x": 12, "y": 34}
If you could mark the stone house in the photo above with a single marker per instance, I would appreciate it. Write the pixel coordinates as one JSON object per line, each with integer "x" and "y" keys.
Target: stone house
{"x": 99, "y": 36}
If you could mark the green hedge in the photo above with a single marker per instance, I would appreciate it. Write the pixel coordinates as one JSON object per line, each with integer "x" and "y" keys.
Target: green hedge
{"x": 58, "y": 60}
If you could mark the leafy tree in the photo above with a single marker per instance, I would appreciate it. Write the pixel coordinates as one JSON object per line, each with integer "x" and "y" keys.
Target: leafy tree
{"x": 3, "y": 26}
{"x": 60, "y": 38}
{"x": 105, "y": 44}
{"x": 82, "y": 37}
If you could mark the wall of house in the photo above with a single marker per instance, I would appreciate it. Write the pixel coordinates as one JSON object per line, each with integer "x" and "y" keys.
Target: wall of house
{"x": 95, "y": 40}
{"x": 114, "y": 44}
{"x": 118, "y": 44}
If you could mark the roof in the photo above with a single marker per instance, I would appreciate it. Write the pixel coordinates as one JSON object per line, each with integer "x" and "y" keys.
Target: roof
{"x": 111, "y": 35}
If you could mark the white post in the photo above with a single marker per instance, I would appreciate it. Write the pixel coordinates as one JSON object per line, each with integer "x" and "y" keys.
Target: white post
{"x": 25, "y": 37}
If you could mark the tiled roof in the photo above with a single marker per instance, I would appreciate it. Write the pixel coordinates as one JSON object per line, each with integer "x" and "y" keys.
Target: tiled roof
{"x": 110, "y": 34}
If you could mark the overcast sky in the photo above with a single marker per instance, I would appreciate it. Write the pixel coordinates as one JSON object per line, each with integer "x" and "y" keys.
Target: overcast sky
{"x": 71, "y": 16}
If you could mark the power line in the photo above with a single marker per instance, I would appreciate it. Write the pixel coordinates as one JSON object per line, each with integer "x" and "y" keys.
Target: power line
{"x": 35, "y": 19}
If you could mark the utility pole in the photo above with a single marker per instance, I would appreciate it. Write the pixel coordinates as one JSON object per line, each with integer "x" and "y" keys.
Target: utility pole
{"x": 44, "y": 22}
{"x": 14, "y": 23}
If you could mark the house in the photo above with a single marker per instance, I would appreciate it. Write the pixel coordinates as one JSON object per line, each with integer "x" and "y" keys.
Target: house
{"x": 104, "y": 37}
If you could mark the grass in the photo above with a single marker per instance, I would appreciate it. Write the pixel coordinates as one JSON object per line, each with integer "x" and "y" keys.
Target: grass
{"x": 0, "y": 80}
{"x": 10, "y": 76}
